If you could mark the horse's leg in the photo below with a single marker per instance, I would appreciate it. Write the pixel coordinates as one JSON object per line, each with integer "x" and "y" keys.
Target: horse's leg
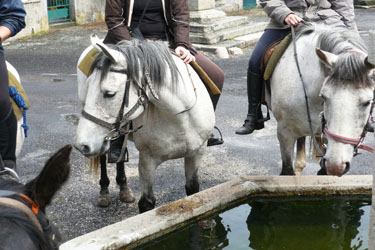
{"x": 191, "y": 173}
{"x": 104, "y": 198}
{"x": 286, "y": 149}
{"x": 126, "y": 194}
{"x": 146, "y": 168}
{"x": 300, "y": 162}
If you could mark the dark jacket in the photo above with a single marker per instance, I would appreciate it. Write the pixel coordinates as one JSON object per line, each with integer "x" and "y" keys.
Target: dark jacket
{"x": 118, "y": 15}
{"x": 12, "y": 16}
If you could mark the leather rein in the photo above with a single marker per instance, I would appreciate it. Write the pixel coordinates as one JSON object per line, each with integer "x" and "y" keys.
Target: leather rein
{"x": 357, "y": 143}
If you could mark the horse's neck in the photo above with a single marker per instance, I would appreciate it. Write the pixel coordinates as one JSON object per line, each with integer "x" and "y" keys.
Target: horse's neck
{"x": 176, "y": 97}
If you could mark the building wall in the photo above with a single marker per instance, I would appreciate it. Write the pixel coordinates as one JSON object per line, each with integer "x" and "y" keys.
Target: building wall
{"x": 89, "y": 11}
{"x": 36, "y": 18}
{"x": 229, "y": 5}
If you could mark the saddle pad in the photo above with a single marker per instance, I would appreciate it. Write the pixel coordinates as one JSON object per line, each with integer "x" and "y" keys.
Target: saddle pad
{"x": 15, "y": 83}
{"x": 88, "y": 60}
{"x": 276, "y": 55}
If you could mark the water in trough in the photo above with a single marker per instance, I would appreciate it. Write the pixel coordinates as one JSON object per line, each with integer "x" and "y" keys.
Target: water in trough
{"x": 276, "y": 223}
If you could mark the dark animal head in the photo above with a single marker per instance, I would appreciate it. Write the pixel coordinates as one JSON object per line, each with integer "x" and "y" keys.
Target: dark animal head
{"x": 23, "y": 221}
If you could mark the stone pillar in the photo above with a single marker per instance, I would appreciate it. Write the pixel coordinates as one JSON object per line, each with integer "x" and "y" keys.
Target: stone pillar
{"x": 195, "y": 5}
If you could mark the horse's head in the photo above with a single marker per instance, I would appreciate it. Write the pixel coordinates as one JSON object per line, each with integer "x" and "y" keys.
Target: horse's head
{"x": 348, "y": 95}
{"x": 112, "y": 98}
{"x": 23, "y": 221}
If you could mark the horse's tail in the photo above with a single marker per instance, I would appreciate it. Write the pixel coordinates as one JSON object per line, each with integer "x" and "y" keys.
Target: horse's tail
{"x": 94, "y": 166}
{"x": 313, "y": 152}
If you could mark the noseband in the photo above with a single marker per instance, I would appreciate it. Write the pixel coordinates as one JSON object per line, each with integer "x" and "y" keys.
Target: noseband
{"x": 357, "y": 143}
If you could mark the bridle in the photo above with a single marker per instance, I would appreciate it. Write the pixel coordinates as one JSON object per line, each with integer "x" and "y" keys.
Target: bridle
{"x": 357, "y": 143}
{"x": 120, "y": 126}
{"x": 31, "y": 210}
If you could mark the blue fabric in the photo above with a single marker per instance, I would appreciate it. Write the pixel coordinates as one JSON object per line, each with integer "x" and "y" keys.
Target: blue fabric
{"x": 13, "y": 92}
{"x": 269, "y": 37}
{"x": 12, "y": 16}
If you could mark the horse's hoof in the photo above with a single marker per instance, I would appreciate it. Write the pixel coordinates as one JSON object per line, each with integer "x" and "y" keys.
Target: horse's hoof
{"x": 126, "y": 195}
{"x": 104, "y": 200}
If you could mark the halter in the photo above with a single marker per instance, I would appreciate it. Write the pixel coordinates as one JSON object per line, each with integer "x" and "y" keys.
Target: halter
{"x": 357, "y": 143}
{"x": 19, "y": 205}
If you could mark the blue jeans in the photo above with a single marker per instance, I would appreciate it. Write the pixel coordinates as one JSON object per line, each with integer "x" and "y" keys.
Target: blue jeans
{"x": 269, "y": 37}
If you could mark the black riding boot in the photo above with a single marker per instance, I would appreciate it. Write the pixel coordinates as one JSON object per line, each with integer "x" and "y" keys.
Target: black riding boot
{"x": 213, "y": 140}
{"x": 254, "y": 119}
{"x": 8, "y": 140}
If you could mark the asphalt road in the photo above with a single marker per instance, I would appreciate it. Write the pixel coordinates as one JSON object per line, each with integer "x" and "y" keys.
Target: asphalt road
{"x": 47, "y": 65}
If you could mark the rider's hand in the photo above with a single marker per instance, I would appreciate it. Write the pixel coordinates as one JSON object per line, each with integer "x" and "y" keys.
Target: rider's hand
{"x": 292, "y": 19}
{"x": 184, "y": 54}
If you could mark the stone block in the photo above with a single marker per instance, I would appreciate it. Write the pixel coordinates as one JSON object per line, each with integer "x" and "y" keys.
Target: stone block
{"x": 201, "y": 4}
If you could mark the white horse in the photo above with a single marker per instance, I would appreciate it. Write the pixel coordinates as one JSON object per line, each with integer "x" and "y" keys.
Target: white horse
{"x": 339, "y": 81}
{"x": 170, "y": 109}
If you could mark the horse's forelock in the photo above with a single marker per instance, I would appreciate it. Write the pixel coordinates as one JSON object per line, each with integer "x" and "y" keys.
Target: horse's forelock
{"x": 350, "y": 68}
{"x": 153, "y": 54}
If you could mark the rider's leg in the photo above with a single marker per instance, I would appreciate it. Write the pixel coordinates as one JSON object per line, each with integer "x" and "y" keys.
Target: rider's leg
{"x": 8, "y": 122}
{"x": 8, "y": 139}
{"x": 217, "y": 76}
{"x": 255, "y": 80}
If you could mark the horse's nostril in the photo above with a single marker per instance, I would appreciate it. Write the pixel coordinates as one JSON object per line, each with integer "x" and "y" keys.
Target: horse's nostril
{"x": 84, "y": 149}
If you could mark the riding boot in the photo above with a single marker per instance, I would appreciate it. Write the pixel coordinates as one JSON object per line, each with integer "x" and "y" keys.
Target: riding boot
{"x": 8, "y": 140}
{"x": 213, "y": 140}
{"x": 254, "y": 119}
{"x": 115, "y": 154}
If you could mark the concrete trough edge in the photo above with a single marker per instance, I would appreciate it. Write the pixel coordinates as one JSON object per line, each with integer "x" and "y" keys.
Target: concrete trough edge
{"x": 161, "y": 220}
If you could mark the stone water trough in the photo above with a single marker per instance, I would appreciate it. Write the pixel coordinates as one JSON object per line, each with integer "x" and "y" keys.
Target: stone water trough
{"x": 164, "y": 219}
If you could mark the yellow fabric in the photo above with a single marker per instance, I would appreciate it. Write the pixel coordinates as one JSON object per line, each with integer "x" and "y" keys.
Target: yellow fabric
{"x": 86, "y": 63}
{"x": 276, "y": 55}
{"x": 15, "y": 83}
{"x": 213, "y": 89}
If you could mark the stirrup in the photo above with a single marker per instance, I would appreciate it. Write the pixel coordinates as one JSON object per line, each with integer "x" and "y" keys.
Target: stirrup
{"x": 215, "y": 141}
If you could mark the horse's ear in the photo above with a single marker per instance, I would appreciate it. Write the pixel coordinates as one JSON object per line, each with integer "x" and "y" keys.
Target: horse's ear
{"x": 52, "y": 177}
{"x": 327, "y": 58}
{"x": 113, "y": 55}
{"x": 369, "y": 65}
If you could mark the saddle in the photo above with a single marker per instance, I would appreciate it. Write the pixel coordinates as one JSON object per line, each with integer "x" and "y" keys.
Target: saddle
{"x": 88, "y": 60}
{"x": 270, "y": 59}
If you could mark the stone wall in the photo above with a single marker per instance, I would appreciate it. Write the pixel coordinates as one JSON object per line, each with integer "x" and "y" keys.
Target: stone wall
{"x": 89, "y": 11}
{"x": 229, "y": 5}
{"x": 36, "y": 18}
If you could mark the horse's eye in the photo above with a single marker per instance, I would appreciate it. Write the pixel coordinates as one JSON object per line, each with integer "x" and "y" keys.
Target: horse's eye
{"x": 109, "y": 94}
{"x": 366, "y": 104}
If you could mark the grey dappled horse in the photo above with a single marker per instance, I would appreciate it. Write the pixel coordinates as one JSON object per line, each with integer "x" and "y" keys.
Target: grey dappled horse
{"x": 339, "y": 81}
{"x": 170, "y": 109}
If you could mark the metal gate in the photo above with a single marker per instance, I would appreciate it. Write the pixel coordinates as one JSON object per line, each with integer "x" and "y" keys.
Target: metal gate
{"x": 58, "y": 11}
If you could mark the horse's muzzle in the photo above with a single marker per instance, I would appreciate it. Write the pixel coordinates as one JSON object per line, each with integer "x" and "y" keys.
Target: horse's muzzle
{"x": 335, "y": 168}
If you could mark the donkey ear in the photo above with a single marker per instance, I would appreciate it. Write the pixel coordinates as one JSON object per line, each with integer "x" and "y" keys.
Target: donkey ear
{"x": 114, "y": 55}
{"x": 52, "y": 177}
{"x": 327, "y": 58}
